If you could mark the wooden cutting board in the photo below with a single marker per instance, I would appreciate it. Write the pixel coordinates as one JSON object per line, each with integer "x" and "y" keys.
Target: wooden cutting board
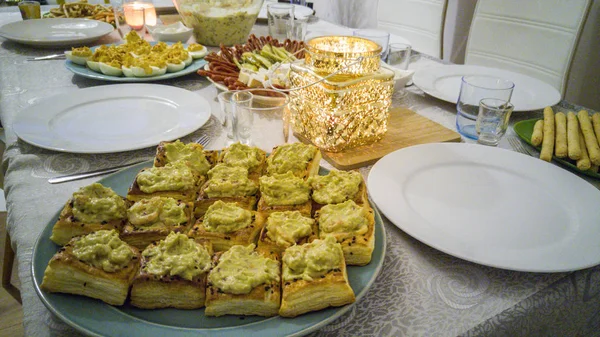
{"x": 405, "y": 128}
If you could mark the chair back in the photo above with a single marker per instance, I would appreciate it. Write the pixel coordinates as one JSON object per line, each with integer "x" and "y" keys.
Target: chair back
{"x": 419, "y": 21}
{"x": 535, "y": 38}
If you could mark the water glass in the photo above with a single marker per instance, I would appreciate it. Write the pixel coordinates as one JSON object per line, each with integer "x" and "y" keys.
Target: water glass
{"x": 269, "y": 110}
{"x": 380, "y": 37}
{"x": 492, "y": 120}
{"x": 399, "y": 55}
{"x": 227, "y": 114}
{"x": 472, "y": 90}
{"x": 280, "y": 20}
{"x": 243, "y": 119}
{"x": 298, "y": 31}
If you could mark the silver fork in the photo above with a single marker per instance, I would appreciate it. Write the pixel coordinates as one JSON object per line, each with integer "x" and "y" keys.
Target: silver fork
{"x": 518, "y": 146}
{"x": 203, "y": 140}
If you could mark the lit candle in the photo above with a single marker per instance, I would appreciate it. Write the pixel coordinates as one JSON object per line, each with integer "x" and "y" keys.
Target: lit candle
{"x": 139, "y": 13}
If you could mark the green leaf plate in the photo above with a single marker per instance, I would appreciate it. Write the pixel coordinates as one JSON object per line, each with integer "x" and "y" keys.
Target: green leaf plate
{"x": 524, "y": 129}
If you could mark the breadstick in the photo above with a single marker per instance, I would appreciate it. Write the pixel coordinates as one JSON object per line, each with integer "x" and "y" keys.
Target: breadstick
{"x": 548, "y": 141}
{"x": 590, "y": 139}
{"x": 560, "y": 137}
{"x": 596, "y": 125}
{"x": 573, "y": 136}
{"x": 584, "y": 162}
{"x": 538, "y": 133}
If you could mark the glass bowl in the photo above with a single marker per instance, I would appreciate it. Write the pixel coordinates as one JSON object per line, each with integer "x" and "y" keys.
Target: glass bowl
{"x": 224, "y": 21}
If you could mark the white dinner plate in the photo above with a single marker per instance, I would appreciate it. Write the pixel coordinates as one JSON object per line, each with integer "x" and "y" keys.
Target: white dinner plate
{"x": 55, "y": 32}
{"x": 443, "y": 82}
{"x": 490, "y": 206}
{"x": 112, "y": 118}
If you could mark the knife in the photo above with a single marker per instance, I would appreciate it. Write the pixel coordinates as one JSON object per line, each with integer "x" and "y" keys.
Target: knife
{"x": 47, "y": 57}
{"x": 77, "y": 176}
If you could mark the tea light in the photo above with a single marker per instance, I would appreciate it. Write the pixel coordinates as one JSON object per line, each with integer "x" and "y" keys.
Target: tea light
{"x": 342, "y": 96}
{"x": 138, "y": 14}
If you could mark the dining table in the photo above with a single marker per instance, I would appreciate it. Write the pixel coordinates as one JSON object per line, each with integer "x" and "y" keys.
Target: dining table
{"x": 419, "y": 291}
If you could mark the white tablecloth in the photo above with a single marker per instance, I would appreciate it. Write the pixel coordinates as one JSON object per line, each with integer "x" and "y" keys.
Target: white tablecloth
{"x": 420, "y": 291}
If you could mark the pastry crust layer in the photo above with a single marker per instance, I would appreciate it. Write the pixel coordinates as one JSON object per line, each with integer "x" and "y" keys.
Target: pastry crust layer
{"x": 66, "y": 274}
{"x": 263, "y": 300}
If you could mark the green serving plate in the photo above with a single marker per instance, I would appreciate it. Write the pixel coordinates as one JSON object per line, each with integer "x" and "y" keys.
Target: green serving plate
{"x": 524, "y": 129}
{"x": 95, "y": 318}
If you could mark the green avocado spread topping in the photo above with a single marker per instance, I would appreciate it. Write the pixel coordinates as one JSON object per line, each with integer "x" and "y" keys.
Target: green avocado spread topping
{"x": 241, "y": 269}
{"x": 175, "y": 176}
{"x": 190, "y": 153}
{"x": 292, "y": 157}
{"x": 343, "y": 219}
{"x": 242, "y": 155}
{"x": 95, "y": 203}
{"x": 229, "y": 181}
{"x": 224, "y": 217}
{"x": 177, "y": 255}
{"x": 312, "y": 260}
{"x": 284, "y": 189}
{"x": 335, "y": 187}
{"x": 103, "y": 249}
{"x": 286, "y": 228}
{"x": 157, "y": 212}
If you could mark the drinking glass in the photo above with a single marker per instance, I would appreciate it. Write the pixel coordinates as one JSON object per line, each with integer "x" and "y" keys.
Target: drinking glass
{"x": 399, "y": 55}
{"x": 238, "y": 122}
{"x": 298, "y": 31}
{"x": 269, "y": 110}
{"x": 380, "y": 37}
{"x": 472, "y": 90}
{"x": 280, "y": 20}
{"x": 227, "y": 114}
{"x": 492, "y": 120}
{"x": 30, "y": 10}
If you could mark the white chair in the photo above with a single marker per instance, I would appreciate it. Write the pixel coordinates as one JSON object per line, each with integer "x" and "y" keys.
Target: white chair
{"x": 536, "y": 38}
{"x": 419, "y": 21}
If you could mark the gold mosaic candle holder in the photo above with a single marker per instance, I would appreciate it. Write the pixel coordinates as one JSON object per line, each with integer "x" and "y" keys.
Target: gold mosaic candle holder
{"x": 341, "y": 96}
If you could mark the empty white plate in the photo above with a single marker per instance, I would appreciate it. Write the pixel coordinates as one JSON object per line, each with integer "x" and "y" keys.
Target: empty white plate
{"x": 112, "y": 118}
{"x": 55, "y": 32}
{"x": 490, "y": 206}
{"x": 443, "y": 82}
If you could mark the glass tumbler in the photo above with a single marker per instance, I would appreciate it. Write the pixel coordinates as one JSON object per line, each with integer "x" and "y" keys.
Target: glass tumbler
{"x": 492, "y": 120}
{"x": 472, "y": 90}
{"x": 280, "y": 18}
{"x": 380, "y": 37}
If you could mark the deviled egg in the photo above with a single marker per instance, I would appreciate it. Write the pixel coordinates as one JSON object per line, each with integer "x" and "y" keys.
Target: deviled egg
{"x": 112, "y": 68}
{"x": 79, "y": 55}
{"x": 197, "y": 50}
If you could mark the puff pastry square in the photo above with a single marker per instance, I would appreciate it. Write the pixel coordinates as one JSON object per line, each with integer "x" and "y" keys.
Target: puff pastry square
{"x": 189, "y": 193}
{"x": 150, "y": 291}
{"x": 360, "y": 197}
{"x": 300, "y": 296}
{"x": 233, "y": 155}
{"x": 161, "y": 158}
{"x": 262, "y": 300}
{"x": 276, "y": 191}
{"x": 140, "y": 235}
{"x": 279, "y": 159}
{"x": 227, "y": 176}
{"x": 67, "y": 274}
{"x": 276, "y": 242}
{"x": 68, "y": 226}
{"x": 224, "y": 241}
{"x": 358, "y": 248}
